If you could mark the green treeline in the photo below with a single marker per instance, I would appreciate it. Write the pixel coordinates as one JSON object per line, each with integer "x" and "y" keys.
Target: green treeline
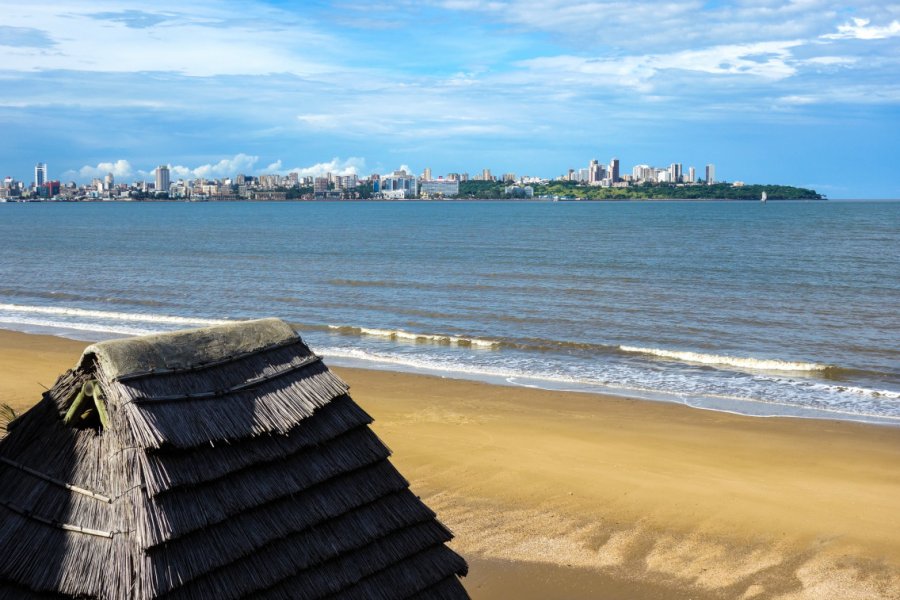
{"x": 644, "y": 191}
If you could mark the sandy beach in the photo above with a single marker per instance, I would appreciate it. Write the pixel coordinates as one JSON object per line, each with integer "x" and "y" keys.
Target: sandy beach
{"x": 568, "y": 495}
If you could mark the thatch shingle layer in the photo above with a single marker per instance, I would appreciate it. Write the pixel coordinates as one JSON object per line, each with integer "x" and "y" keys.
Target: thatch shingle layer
{"x": 234, "y": 465}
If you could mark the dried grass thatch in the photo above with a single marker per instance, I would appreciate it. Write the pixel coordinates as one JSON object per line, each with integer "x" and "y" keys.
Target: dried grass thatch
{"x": 7, "y": 416}
{"x": 232, "y": 464}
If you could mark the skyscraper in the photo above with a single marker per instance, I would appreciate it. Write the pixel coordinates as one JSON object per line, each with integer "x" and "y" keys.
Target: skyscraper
{"x": 427, "y": 174}
{"x": 162, "y": 178}
{"x": 675, "y": 175}
{"x": 692, "y": 175}
{"x": 614, "y": 170}
{"x": 40, "y": 174}
{"x": 710, "y": 174}
{"x": 595, "y": 172}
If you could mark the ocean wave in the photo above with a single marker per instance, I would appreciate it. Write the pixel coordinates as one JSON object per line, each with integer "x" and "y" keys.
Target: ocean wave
{"x": 873, "y": 410}
{"x": 73, "y": 297}
{"x": 416, "y": 338}
{"x": 92, "y": 327}
{"x": 756, "y": 364}
{"x": 837, "y": 389}
{"x": 69, "y": 312}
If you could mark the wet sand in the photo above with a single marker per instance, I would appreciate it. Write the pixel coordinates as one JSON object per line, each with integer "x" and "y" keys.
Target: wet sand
{"x": 567, "y": 495}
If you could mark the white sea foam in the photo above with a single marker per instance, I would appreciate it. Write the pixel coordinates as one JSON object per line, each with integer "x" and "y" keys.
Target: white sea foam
{"x": 417, "y": 338}
{"x": 95, "y": 327}
{"x": 831, "y": 400}
{"x": 69, "y": 312}
{"x": 757, "y": 364}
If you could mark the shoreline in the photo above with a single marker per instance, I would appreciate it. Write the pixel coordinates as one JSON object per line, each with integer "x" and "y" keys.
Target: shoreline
{"x": 740, "y": 406}
{"x": 424, "y": 200}
{"x": 578, "y": 495}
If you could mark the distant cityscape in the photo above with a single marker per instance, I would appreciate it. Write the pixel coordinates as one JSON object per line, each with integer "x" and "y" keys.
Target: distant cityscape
{"x": 394, "y": 186}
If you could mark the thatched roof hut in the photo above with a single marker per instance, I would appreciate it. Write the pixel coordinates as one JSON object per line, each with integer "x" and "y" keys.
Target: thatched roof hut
{"x": 225, "y": 462}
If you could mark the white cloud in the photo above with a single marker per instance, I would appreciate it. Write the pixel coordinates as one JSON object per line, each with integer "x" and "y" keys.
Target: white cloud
{"x": 765, "y": 60}
{"x": 275, "y": 167}
{"x": 320, "y": 121}
{"x": 830, "y": 60}
{"x": 860, "y": 29}
{"x": 120, "y": 168}
{"x": 193, "y": 39}
{"x": 227, "y": 167}
{"x": 351, "y": 166}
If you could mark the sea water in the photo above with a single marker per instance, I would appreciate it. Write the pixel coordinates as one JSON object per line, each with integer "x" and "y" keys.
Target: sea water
{"x": 784, "y": 308}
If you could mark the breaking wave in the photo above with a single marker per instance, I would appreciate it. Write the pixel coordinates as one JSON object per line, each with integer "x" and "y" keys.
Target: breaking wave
{"x": 88, "y": 319}
{"x": 756, "y": 364}
{"x": 418, "y": 338}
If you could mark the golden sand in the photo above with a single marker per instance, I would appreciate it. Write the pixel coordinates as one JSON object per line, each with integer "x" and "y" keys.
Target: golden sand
{"x": 566, "y": 495}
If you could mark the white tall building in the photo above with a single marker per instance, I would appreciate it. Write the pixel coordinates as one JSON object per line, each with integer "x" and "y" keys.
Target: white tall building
{"x": 162, "y": 178}
{"x": 40, "y": 174}
{"x": 710, "y": 174}
{"x": 642, "y": 173}
{"x": 692, "y": 175}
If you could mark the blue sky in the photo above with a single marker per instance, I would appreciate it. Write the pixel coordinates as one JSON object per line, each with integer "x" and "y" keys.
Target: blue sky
{"x": 804, "y": 93}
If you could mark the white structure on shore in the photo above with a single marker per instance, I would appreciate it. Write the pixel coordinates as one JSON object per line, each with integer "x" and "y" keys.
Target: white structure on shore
{"x": 710, "y": 174}
{"x": 40, "y": 175}
{"x": 162, "y": 178}
{"x": 439, "y": 188}
{"x": 399, "y": 184}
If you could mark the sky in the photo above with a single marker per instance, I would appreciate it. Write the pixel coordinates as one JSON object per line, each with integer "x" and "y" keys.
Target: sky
{"x": 804, "y": 92}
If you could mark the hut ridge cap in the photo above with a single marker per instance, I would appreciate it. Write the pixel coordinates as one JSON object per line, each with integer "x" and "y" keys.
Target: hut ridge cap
{"x": 185, "y": 349}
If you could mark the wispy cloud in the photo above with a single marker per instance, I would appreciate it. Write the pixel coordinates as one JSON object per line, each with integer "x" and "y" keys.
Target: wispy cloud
{"x": 862, "y": 29}
{"x": 24, "y": 37}
{"x": 194, "y": 40}
{"x": 136, "y": 19}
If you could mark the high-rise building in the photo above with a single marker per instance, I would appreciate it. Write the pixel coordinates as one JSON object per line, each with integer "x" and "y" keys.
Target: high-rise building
{"x": 675, "y": 173}
{"x": 643, "y": 173}
{"x": 40, "y": 174}
{"x": 427, "y": 174}
{"x": 710, "y": 174}
{"x": 162, "y": 178}
{"x": 108, "y": 182}
{"x": 614, "y": 170}
{"x": 399, "y": 184}
{"x": 692, "y": 175}
{"x": 486, "y": 175}
{"x": 595, "y": 172}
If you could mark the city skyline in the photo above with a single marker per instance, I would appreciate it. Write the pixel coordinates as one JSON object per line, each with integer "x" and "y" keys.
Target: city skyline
{"x": 594, "y": 173}
{"x": 799, "y": 93}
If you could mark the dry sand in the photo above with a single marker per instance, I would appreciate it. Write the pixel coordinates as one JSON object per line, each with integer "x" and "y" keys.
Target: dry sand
{"x": 565, "y": 495}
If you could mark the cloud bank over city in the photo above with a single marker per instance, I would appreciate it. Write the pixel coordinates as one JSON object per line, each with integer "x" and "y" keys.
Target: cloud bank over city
{"x": 795, "y": 92}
